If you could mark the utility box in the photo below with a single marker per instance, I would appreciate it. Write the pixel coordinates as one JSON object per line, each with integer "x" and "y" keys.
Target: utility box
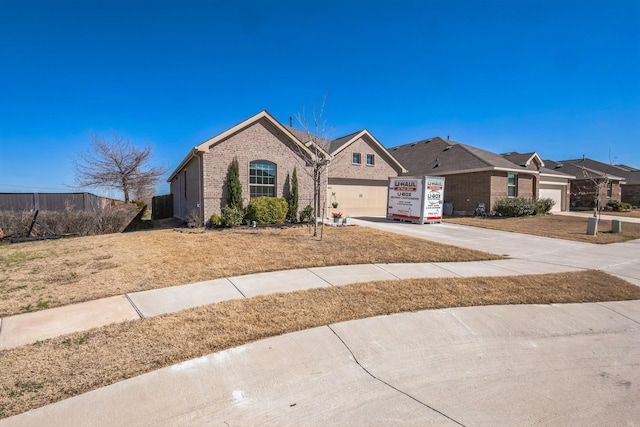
{"x": 592, "y": 226}
{"x": 616, "y": 226}
{"x": 416, "y": 199}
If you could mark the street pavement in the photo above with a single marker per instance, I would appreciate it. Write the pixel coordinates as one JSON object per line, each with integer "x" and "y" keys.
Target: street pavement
{"x": 573, "y": 364}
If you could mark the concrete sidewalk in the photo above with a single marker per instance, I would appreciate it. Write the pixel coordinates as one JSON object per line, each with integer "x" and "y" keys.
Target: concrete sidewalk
{"x": 28, "y": 328}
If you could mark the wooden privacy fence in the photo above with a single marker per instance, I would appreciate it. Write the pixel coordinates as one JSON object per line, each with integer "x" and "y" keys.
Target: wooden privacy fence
{"x": 53, "y": 201}
{"x": 162, "y": 207}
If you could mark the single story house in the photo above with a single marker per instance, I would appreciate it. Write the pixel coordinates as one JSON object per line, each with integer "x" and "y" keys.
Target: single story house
{"x": 593, "y": 179}
{"x": 474, "y": 176}
{"x": 267, "y": 152}
{"x": 631, "y": 185}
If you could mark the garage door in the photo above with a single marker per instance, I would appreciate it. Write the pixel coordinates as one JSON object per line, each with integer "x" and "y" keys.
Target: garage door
{"x": 554, "y": 193}
{"x": 358, "y": 200}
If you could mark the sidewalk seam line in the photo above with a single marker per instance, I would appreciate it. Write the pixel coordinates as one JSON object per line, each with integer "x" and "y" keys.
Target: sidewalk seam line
{"x": 439, "y": 265}
{"x": 388, "y": 384}
{"x": 616, "y": 312}
{"x": 237, "y": 288}
{"x": 135, "y": 307}
{"x": 380, "y": 266}
{"x": 320, "y": 277}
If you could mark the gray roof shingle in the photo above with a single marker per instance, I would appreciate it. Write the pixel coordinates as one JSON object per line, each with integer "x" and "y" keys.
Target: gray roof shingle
{"x": 442, "y": 156}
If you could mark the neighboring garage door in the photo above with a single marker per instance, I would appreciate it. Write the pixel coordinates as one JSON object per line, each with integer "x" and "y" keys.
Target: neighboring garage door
{"x": 357, "y": 199}
{"x": 552, "y": 192}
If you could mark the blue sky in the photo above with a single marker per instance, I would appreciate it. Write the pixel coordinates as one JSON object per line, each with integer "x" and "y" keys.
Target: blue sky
{"x": 558, "y": 77}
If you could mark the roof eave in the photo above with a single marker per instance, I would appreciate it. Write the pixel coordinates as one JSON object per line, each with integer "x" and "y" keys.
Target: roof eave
{"x": 194, "y": 151}
{"x": 486, "y": 169}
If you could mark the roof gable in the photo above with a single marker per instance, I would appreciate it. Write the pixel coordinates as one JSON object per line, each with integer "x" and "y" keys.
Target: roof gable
{"x": 263, "y": 115}
{"x": 525, "y": 159}
{"x": 342, "y": 143}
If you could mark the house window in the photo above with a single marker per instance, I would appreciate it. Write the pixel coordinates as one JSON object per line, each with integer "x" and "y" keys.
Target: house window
{"x": 609, "y": 187}
{"x": 512, "y": 185}
{"x": 185, "y": 185}
{"x": 370, "y": 159}
{"x": 262, "y": 179}
{"x": 355, "y": 158}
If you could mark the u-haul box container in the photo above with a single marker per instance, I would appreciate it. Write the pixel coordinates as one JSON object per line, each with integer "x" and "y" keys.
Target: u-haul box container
{"x": 416, "y": 199}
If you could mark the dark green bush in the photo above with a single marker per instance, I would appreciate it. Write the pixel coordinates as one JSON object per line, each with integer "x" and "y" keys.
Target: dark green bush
{"x": 515, "y": 206}
{"x": 617, "y": 206}
{"x": 292, "y": 214}
{"x": 544, "y": 205}
{"x": 231, "y": 216}
{"x": 307, "y": 215}
{"x": 267, "y": 210}
{"x": 234, "y": 187}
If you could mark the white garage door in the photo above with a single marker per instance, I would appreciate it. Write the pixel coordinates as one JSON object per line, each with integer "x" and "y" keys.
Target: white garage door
{"x": 552, "y": 192}
{"x": 358, "y": 200}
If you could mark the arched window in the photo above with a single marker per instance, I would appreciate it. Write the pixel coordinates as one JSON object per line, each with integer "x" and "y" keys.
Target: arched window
{"x": 262, "y": 179}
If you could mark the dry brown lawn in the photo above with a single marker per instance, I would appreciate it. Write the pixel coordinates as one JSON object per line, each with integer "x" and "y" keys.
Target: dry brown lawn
{"x": 45, "y": 274}
{"x": 49, "y": 371}
{"x": 557, "y": 226}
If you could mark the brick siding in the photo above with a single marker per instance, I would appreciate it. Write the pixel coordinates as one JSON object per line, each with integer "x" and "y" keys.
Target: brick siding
{"x": 631, "y": 194}
{"x": 186, "y": 201}
{"x": 259, "y": 141}
{"x": 342, "y": 166}
{"x": 585, "y": 191}
{"x": 465, "y": 191}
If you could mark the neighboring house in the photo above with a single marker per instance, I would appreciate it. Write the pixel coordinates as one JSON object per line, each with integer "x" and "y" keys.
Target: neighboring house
{"x": 552, "y": 184}
{"x": 267, "y": 152}
{"x": 474, "y": 176}
{"x": 593, "y": 180}
{"x": 631, "y": 187}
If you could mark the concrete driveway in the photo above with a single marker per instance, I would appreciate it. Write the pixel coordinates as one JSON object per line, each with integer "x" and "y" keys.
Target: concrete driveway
{"x": 574, "y": 364}
{"x": 620, "y": 259}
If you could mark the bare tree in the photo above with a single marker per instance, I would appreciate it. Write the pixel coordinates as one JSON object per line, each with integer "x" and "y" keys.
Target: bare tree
{"x": 116, "y": 163}
{"x": 599, "y": 185}
{"x": 318, "y": 142}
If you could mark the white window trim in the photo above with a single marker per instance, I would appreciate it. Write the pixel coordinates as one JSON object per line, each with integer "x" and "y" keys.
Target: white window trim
{"x": 515, "y": 186}
{"x": 373, "y": 160}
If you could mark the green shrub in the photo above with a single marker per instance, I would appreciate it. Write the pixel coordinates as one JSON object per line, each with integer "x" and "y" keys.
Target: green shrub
{"x": 292, "y": 213}
{"x": 617, "y": 206}
{"x": 515, "y": 206}
{"x": 214, "y": 221}
{"x": 307, "y": 215}
{"x": 267, "y": 210}
{"x": 231, "y": 217}
{"x": 544, "y": 205}
{"x": 234, "y": 187}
